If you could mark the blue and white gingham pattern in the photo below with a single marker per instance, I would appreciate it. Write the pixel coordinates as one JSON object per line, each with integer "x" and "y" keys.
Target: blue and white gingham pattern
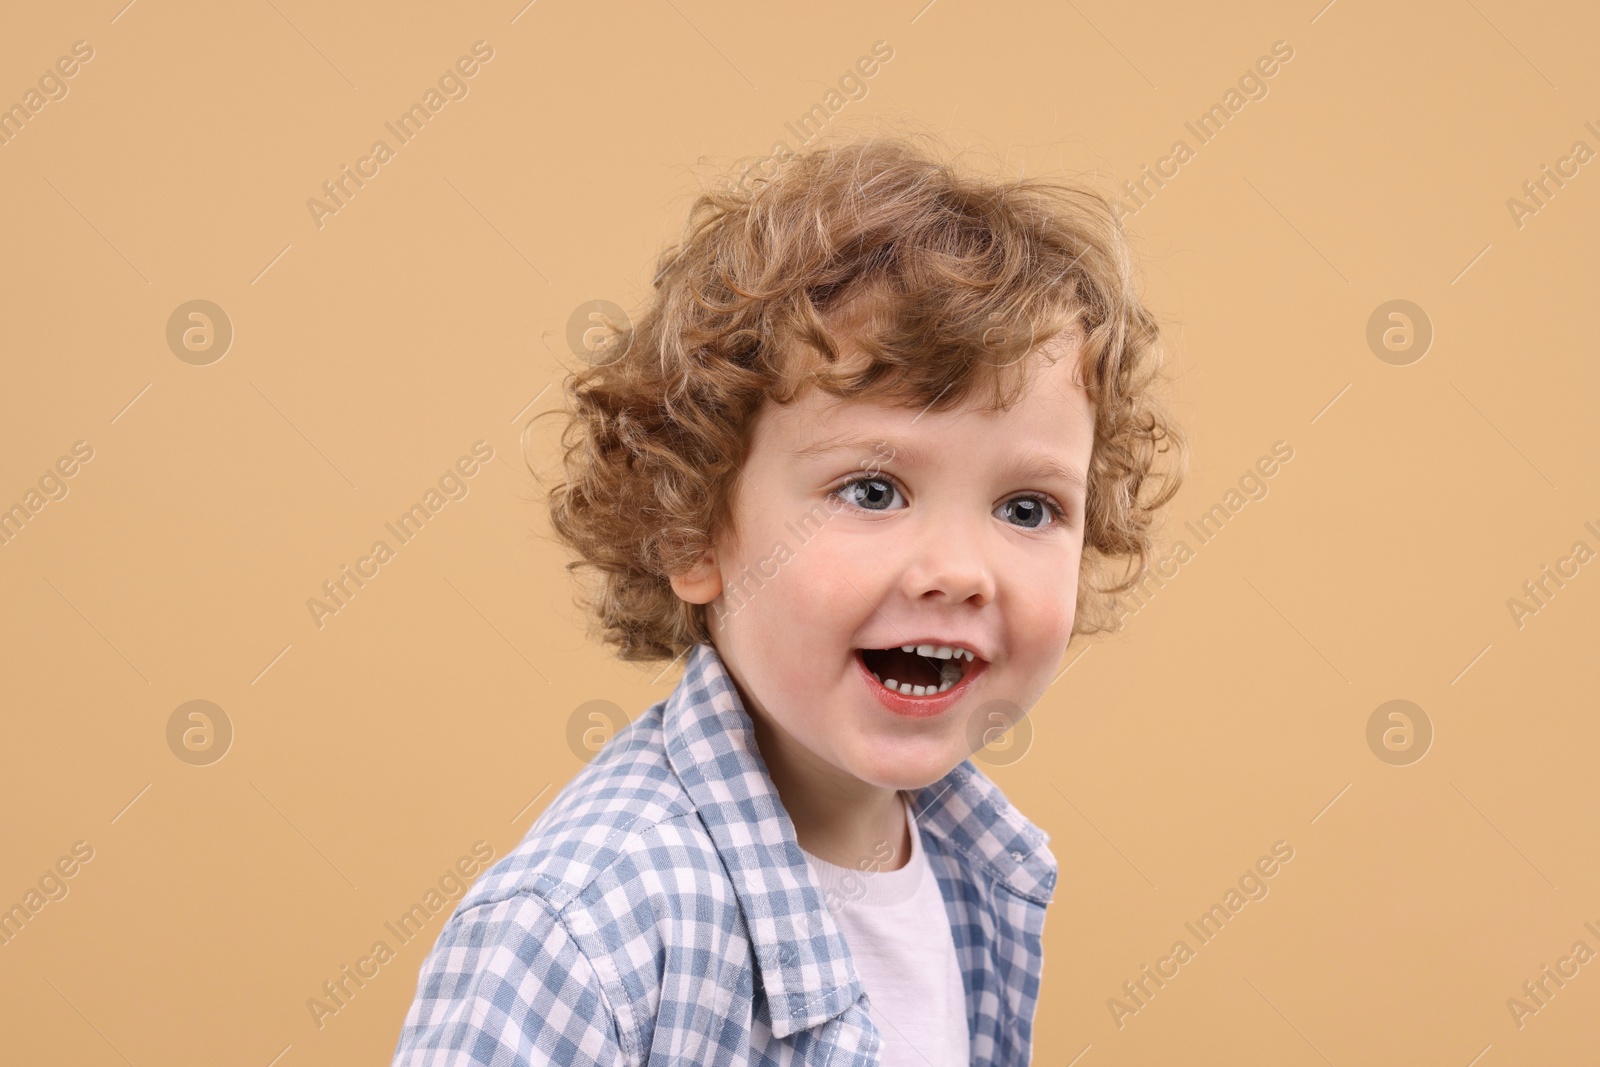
{"x": 661, "y": 911}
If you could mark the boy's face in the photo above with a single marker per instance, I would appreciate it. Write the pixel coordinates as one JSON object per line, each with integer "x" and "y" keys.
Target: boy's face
{"x": 944, "y": 535}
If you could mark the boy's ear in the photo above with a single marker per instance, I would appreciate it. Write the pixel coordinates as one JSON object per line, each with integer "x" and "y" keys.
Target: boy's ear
{"x": 702, "y": 583}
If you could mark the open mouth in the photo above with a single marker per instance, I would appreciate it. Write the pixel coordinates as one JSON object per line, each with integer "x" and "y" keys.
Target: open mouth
{"x": 916, "y": 671}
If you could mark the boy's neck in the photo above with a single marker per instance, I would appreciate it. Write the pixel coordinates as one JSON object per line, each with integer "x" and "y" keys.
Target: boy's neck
{"x": 837, "y": 818}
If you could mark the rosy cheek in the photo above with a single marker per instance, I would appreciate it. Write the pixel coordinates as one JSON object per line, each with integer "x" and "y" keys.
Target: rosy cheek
{"x": 826, "y": 566}
{"x": 1053, "y": 615}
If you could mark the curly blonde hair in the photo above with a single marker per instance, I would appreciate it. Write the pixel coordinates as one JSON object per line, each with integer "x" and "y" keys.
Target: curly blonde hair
{"x": 968, "y": 277}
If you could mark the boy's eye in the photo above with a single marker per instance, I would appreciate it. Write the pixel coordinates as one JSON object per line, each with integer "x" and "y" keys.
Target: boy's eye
{"x": 875, "y": 492}
{"x": 1034, "y": 510}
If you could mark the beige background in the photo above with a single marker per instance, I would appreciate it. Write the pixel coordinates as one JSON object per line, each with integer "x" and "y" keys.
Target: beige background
{"x": 430, "y": 312}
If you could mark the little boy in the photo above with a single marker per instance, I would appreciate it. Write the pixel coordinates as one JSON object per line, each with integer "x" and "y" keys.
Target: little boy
{"x": 848, "y": 463}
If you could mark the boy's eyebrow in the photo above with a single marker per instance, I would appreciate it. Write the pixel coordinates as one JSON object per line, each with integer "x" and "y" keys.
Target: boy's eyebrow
{"x": 911, "y": 455}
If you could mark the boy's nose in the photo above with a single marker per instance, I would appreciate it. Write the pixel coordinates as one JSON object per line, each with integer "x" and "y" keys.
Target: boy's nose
{"x": 950, "y": 559}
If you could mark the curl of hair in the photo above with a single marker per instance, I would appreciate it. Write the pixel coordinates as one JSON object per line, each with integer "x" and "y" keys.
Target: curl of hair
{"x": 964, "y": 278}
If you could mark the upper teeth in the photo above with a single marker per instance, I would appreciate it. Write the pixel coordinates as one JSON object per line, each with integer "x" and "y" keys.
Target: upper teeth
{"x": 938, "y": 651}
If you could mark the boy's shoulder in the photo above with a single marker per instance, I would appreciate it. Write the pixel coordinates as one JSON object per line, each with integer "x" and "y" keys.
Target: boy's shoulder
{"x": 626, "y": 807}
{"x": 679, "y": 806}
{"x": 665, "y": 882}
{"x": 613, "y": 904}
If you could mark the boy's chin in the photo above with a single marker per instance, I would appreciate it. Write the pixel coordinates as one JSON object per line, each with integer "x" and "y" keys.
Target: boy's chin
{"x": 909, "y": 774}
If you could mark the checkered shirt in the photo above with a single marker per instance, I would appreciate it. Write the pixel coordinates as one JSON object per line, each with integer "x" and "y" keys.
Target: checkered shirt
{"x": 660, "y": 911}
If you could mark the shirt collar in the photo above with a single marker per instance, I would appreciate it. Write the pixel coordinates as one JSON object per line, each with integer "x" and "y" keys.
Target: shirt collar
{"x": 802, "y": 957}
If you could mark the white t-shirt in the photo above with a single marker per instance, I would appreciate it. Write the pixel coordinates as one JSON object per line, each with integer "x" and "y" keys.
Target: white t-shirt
{"x": 898, "y": 931}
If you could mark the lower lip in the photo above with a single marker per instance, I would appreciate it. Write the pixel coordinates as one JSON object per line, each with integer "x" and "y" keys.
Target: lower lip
{"x": 922, "y": 707}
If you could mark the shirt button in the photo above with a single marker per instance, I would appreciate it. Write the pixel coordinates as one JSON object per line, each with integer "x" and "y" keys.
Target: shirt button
{"x": 1017, "y": 856}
